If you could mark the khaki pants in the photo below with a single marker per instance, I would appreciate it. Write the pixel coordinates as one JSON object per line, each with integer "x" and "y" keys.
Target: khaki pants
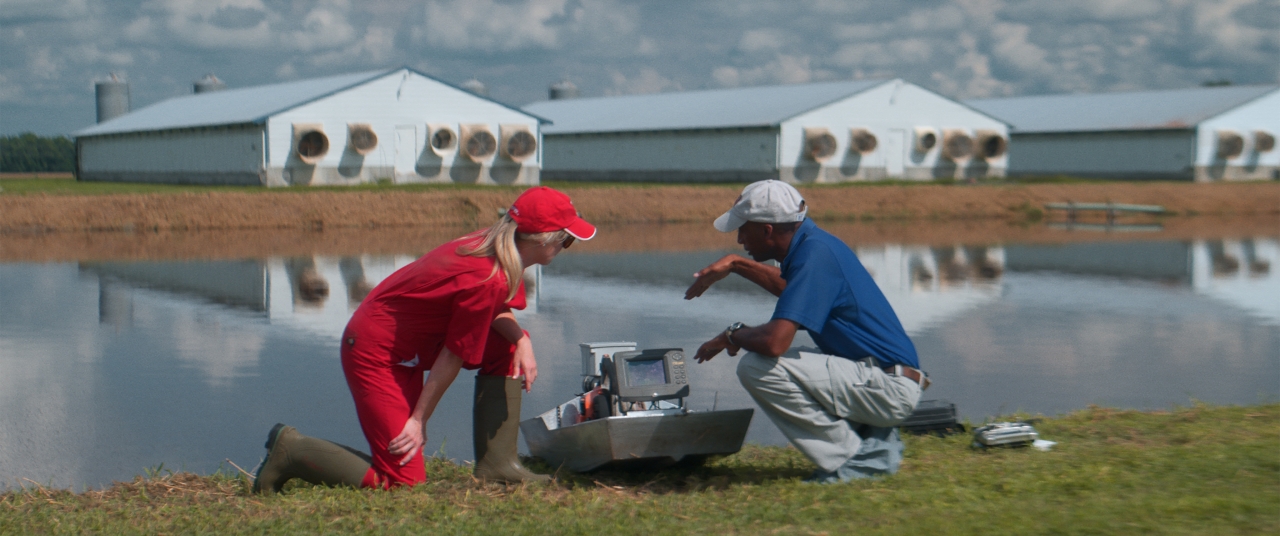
{"x": 831, "y": 408}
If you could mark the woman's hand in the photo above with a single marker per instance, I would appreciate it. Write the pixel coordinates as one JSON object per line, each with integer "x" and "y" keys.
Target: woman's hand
{"x": 524, "y": 363}
{"x": 410, "y": 440}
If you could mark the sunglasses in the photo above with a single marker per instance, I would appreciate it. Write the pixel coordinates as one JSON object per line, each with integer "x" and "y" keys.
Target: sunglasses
{"x": 567, "y": 242}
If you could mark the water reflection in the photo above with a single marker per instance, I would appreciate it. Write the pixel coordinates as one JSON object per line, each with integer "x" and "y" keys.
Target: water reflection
{"x": 110, "y": 367}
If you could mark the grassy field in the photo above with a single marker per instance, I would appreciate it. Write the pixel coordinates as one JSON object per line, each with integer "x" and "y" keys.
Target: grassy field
{"x": 1195, "y": 470}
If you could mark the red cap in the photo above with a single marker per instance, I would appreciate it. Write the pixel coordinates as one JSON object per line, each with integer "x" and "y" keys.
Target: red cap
{"x": 541, "y": 209}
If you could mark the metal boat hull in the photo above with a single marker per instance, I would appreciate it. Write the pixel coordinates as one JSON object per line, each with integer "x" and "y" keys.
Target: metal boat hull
{"x": 638, "y": 441}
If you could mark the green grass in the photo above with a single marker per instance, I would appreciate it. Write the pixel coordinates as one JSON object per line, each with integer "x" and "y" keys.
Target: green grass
{"x": 1196, "y": 470}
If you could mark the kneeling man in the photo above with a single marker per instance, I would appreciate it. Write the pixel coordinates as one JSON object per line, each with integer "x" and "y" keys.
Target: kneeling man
{"x": 839, "y": 403}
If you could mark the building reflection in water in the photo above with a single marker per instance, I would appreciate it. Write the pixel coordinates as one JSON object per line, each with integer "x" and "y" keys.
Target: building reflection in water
{"x": 926, "y": 285}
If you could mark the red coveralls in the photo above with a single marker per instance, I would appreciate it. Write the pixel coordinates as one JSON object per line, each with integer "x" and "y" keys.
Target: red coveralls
{"x": 440, "y": 300}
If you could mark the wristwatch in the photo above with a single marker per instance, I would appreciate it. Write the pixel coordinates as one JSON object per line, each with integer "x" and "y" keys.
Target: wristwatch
{"x": 728, "y": 332}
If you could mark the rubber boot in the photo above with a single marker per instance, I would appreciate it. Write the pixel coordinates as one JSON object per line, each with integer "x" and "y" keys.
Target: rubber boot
{"x": 497, "y": 427}
{"x": 292, "y": 455}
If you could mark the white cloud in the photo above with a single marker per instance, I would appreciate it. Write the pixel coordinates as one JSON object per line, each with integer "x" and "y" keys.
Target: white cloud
{"x": 1012, "y": 46}
{"x": 782, "y": 69}
{"x": 42, "y": 10}
{"x": 648, "y": 81}
{"x": 960, "y": 48}
{"x": 761, "y": 40}
{"x": 194, "y": 22}
{"x": 325, "y": 27}
{"x": 490, "y": 25}
{"x": 10, "y": 91}
{"x": 971, "y": 75}
{"x": 376, "y": 46}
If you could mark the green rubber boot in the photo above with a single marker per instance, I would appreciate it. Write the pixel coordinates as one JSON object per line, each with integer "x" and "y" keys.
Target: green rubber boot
{"x": 292, "y": 455}
{"x": 497, "y": 428}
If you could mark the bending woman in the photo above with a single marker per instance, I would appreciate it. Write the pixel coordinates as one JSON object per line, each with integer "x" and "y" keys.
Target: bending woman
{"x": 449, "y": 310}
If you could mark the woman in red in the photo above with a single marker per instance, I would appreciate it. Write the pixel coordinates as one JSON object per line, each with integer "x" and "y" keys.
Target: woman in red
{"x": 449, "y": 310}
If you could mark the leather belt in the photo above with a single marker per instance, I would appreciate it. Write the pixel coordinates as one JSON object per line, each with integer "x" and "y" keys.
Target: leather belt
{"x": 909, "y": 373}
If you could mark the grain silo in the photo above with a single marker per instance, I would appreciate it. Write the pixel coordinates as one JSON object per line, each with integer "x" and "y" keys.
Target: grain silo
{"x": 1201, "y": 134}
{"x": 823, "y": 132}
{"x": 208, "y": 84}
{"x": 394, "y": 125}
{"x": 563, "y": 89}
{"x": 112, "y": 97}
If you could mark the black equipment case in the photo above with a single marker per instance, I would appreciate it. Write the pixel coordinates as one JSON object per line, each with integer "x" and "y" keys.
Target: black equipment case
{"x": 933, "y": 417}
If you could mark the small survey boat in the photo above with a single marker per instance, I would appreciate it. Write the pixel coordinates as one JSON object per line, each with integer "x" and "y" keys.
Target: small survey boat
{"x": 631, "y": 415}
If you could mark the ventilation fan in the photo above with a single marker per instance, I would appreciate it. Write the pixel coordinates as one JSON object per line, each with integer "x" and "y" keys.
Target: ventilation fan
{"x": 478, "y": 144}
{"x": 360, "y": 138}
{"x": 518, "y": 144}
{"x": 926, "y": 139}
{"x": 991, "y": 144}
{"x": 1263, "y": 141}
{"x": 1230, "y": 144}
{"x": 309, "y": 142}
{"x": 956, "y": 144}
{"x": 819, "y": 144}
{"x": 442, "y": 139}
{"x": 862, "y": 141}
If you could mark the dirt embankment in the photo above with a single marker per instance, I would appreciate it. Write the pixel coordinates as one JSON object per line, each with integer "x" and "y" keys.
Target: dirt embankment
{"x": 604, "y": 205}
{"x": 219, "y": 225}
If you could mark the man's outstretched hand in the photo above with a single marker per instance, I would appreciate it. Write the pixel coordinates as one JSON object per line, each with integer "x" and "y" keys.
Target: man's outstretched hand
{"x": 706, "y": 277}
{"x": 713, "y": 347}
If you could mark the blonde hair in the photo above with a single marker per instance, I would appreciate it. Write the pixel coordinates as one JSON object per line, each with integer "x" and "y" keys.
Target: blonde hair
{"x": 499, "y": 241}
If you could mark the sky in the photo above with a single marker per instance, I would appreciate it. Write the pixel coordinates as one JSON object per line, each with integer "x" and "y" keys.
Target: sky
{"x": 52, "y": 51}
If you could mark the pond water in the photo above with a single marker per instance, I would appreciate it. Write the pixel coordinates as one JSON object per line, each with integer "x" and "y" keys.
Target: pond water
{"x": 110, "y": 368}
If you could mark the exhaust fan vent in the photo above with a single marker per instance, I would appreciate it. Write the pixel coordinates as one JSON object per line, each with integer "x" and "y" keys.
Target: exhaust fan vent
{"x": 819, "y": 144}
{"x": 957, "y": 144}
{"x": 1230, "y": 144}
{"x": 478, "y": 143}
{"x": 310, "y": 142}
{"x": 442, "y": 138}
{"x": 991, "y": 144}
{"x": 1263, "y": 141}
{"x": 360, "y": 138}
{"x": 862, "y": 141}
{"x": 518, "y": 144}
{"x": 926, "y": 139}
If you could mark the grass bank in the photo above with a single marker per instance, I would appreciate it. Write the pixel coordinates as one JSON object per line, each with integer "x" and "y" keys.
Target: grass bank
{"x": 1195, "y": 470}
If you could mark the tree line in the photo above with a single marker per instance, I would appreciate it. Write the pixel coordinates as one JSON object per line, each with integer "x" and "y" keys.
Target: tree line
{"x": 28, "y": 152}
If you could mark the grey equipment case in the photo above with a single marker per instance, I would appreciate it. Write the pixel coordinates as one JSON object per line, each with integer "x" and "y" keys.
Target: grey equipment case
{"x": 1005, "y": 434}
{"x": 932, "y": 417}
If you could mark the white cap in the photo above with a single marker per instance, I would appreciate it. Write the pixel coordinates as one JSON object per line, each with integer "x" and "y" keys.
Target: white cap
{"x": 768, "y": 201}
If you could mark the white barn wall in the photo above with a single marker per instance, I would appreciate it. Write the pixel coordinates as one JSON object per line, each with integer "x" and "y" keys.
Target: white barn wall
{"x": 387, "y": 103}
{"x": 1148, "y": 154}
{"x": 730, "y": 155}
{"x": 891, "y": 111}
{"x": 217, "y": 155}
{"x": 1260, "y": 114}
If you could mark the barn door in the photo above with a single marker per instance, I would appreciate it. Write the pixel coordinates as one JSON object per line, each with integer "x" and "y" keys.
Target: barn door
{"x": 895, "y": 153}
{"x": 406, "y": 150}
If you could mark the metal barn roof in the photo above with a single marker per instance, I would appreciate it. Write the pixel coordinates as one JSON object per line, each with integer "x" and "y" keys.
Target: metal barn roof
{"x": 242, "y": 105}
{"x": 718, "y": 108}
{"x": 229, "y": 106}
{"x": 1132, "y": 110}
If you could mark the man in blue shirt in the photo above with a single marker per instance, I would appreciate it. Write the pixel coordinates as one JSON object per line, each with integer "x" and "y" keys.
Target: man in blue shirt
{"x": 840, "y": 403}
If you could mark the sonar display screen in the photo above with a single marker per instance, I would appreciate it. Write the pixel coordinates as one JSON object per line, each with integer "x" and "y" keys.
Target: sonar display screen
{"x": 648, "y": 372}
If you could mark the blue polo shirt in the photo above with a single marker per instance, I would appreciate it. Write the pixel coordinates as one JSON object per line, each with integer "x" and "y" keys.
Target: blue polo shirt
{"x": 830, "y": 294}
